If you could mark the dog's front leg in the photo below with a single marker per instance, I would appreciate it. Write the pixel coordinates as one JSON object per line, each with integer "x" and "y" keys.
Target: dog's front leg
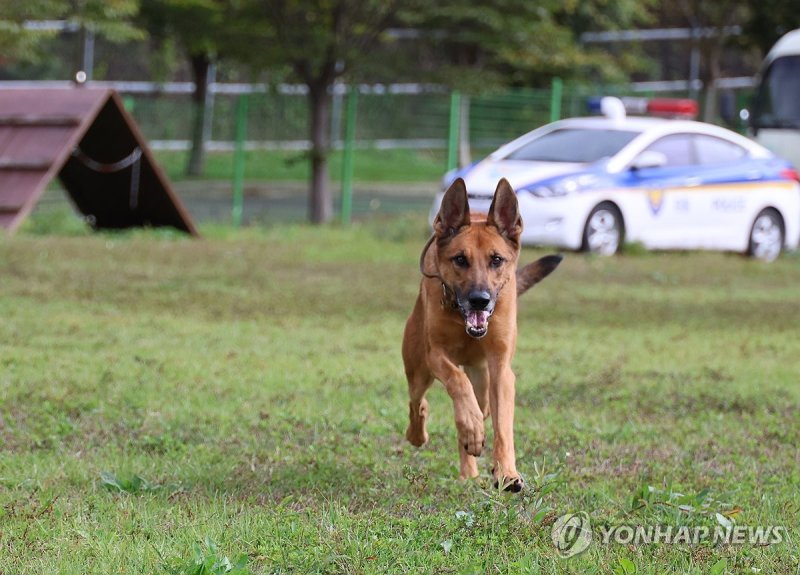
{"x": 468, "y": 415}
{"x": 501, "y": 400}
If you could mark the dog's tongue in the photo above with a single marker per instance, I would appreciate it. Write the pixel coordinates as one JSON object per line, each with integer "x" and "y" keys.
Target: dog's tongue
{"x": 477, "y": 319}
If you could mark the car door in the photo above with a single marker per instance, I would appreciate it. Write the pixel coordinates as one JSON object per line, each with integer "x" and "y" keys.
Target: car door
{"x": 664, "y": 192}
{"x": 727, "y": 173}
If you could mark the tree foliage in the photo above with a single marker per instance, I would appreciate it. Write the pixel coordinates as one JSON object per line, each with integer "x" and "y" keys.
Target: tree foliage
{"x": 194, "y": 24}
{"x": 524, "y": 43}
{"x": 713, "y": 21}
{"x": 316, "y": 41}
{"x": 198, "y": 28}
{"x": 110, "y": 19}
{"x": 15, "y": 41}
{"x": 768, "y": 20}
{"x": 316, "y": 38}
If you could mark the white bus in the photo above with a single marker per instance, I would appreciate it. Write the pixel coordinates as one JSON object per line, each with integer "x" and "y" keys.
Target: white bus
{"x": 775, "y": 114}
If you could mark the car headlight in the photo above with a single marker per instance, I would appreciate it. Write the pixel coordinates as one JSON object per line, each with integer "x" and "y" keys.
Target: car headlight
{"x": 562, "y": 187}
{"x": 547, "y": 191}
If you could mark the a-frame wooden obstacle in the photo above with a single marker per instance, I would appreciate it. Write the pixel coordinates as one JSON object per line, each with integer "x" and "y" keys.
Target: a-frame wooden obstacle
{"x": 86, "y": 138}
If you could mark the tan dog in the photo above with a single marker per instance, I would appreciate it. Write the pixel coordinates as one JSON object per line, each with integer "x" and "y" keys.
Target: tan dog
{"x": 471, "y": 276}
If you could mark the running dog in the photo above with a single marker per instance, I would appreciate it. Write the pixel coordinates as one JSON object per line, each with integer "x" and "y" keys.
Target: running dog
{"x": 471, "y": 280}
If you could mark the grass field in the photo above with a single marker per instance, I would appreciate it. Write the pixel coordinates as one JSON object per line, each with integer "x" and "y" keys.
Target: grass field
{"x": 237, "y": 404}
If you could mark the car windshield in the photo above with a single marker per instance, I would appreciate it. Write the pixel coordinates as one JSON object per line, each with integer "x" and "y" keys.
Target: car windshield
{"x": 573, "y": 145}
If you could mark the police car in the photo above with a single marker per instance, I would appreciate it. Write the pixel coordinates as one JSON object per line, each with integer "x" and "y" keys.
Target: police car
{"x": 594, "y": 183}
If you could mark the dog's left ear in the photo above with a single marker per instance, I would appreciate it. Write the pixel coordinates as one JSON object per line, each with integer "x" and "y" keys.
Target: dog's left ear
{"x": 504, "y": 212}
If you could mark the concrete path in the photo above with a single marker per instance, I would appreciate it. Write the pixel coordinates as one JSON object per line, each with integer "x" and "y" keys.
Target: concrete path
{"x": 272, "y": 202}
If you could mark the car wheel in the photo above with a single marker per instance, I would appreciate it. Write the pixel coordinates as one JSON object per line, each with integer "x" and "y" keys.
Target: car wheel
{"x": 766, "y": 236}
{"x": 604, "y": 230}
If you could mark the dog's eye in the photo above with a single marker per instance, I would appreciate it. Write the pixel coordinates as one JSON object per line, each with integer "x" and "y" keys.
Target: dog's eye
{"x": 461, "y": 261}
{"x": 496, "y": 261}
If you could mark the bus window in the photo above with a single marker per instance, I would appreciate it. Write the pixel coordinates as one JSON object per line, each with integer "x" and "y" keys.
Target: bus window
{"x": 777, "y": 103}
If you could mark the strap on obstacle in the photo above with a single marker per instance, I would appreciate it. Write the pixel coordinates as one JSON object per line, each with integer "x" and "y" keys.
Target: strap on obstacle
{"x": 132, "y": 160}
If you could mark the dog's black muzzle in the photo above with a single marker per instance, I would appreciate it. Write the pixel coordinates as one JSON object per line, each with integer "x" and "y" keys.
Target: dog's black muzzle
{"x": 476, "y": 308}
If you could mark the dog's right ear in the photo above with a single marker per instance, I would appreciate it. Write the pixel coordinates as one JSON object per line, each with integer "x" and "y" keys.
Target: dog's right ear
{"x": 454, "y": 212}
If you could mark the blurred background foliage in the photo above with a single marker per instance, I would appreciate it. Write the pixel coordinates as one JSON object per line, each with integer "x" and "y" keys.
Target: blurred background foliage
{"x": 459, "y": 43}
{"x": 480, "y": 47}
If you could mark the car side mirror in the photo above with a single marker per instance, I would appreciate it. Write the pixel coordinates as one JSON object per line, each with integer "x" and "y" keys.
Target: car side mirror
{"x": 649, "y": 159}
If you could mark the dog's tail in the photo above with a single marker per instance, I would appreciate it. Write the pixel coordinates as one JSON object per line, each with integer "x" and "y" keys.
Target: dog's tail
{"x": 535, "y": 272}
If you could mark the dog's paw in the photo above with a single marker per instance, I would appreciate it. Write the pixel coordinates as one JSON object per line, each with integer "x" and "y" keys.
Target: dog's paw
{"x": 474, "y": 447}
{"x": 514, "y": 485}
{"x": 416, "y": 437}
{"x": 471, "y": 434}
{"x": 511, "y": 483}
{"x": 416, "y": 434}
{"x": 469, "y": 424}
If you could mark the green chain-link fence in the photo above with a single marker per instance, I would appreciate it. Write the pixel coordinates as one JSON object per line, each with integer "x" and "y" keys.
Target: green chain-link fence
{"x": 385, "y": 119}
{"x": 454, "y": 130}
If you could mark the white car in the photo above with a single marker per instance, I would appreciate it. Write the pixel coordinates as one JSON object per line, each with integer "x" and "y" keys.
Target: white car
{"x": 594, "y": 183}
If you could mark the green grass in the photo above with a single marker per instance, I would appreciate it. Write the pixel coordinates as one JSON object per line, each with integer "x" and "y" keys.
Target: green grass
{"x": 369, "y": 165}
{"x": 236, "y": 404}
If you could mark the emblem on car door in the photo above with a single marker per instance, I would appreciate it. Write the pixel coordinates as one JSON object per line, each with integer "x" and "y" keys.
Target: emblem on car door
{"x": 656, "y": 200}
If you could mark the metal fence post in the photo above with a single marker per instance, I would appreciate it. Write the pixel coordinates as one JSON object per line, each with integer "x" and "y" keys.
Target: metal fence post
{"x": 464, "y": 144}
{"x": 347, "y": 155}
{"x": 556, "y": 90}
{"x": 452, "y": 139}
{"x": 238, "y": 160}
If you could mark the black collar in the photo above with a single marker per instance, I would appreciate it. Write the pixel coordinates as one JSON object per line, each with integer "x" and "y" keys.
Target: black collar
{"x": 449, "y": 298}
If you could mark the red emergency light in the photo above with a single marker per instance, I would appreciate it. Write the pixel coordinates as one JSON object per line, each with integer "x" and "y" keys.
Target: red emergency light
{"x": 673, "y": 107}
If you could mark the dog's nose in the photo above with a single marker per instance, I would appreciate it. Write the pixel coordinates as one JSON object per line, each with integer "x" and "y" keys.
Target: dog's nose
{"x": 479, "y": 299}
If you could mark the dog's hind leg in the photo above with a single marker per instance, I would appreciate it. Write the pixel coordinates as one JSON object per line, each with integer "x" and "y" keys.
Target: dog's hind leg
{"x": 469, "y": 463}
{"x": 419, "y": 381}
{"x": 418, "y": 375}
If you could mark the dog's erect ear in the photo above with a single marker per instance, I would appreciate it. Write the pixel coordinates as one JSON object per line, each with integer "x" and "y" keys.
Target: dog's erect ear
{"x": 504, "y": 212}
{"x": 454, "y": 211}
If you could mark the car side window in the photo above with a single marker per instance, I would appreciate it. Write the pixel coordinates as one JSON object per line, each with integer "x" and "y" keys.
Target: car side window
{"x": 711, "y": 150}
{"x": 677, "y": 148}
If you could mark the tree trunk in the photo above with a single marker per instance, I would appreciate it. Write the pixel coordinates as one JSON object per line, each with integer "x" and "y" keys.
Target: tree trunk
{"x": 200, "y": 67}
{"x": 320, "y": 207}
{"x": 710, "y": 82}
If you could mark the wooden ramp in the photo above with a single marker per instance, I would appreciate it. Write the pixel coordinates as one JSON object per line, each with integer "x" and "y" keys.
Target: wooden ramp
{"x": 86, "y": 138}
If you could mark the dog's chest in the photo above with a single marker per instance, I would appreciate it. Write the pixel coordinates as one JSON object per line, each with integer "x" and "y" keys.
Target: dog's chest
{"x": 462, "y": 349}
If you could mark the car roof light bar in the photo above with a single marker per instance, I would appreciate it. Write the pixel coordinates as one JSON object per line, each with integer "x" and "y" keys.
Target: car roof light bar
{"x": 663, "y": 107}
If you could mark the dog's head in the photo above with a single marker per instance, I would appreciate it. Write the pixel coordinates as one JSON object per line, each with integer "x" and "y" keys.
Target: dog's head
{"x": 477, "y": 253}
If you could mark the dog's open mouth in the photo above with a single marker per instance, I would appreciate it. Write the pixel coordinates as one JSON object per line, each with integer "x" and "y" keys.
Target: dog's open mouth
{"x": 477, "y": 322}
